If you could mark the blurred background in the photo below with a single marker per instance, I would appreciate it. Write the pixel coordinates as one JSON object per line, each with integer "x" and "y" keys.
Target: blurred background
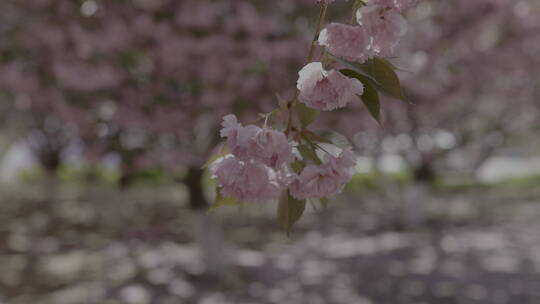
{"x": 108, "y": 109}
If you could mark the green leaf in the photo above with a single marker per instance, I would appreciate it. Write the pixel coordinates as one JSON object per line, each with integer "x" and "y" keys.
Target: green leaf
{"x": 370, "y": 97}
{"x": 338, "y": 139}
{"x": 357, "y": 67}
{"x": 385, "y": 76}
{"x": 311, "y": 136}
{"x": 308, "y": 153}
{"x": 305, "y": 114}
{"x": 380, "y": 74}
{"x": 393, "y": 66}
{"x": 223, "y": 201}
{"x": 223, "y": 150}
{"x": 298, "y": 166}
{"x": 371, "y": 101}
{"x": 289, "y": 211}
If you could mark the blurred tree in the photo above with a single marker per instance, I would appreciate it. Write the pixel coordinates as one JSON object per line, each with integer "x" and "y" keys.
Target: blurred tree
{"x": 469, "y": 69}
{"x": 145, "y": 80}
{"x": 148, "y": 81}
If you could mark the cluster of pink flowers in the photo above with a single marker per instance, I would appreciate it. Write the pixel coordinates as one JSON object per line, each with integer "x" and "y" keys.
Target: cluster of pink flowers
{"x": 267, "y": 146}
{"x": 246, "y": 180}
{"x": 258, "y": 167}
{"x": 326, "y": 179}
{"x": 384, "y": 25}
{"x": 379, "y": 29}
{"x": 259, "y": 164}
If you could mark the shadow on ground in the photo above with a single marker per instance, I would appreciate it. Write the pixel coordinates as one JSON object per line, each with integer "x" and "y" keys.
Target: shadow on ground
{"x": 143, "y": 246}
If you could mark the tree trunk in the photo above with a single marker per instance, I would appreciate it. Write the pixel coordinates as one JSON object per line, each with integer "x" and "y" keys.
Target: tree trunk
{"x": 197, "y": 201}
{"x": 208, "y": 233}
{"x": 125, "y": 180}
{"x": 424, "y": 173}
{"x": 207, "y": 230}
{"x": 415, "y": 203}
{"x": 417, "y": 194}
{"x": 50, "y": 161}
{"x": 127, "y": 171}
{"x": 51, "y": 185}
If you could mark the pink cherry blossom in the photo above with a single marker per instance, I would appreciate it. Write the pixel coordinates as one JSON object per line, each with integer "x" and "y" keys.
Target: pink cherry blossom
{"x": 272, "y": 148}
{"x": 250, "y": 142}
{"x": 246, "y": 181}
{"x": 326, "y": 90}
{"x": 346, "y": 41}
{"x": 239, "y": 138}
{"x": 385, "y": 26}
{"x": 324, "y": 180}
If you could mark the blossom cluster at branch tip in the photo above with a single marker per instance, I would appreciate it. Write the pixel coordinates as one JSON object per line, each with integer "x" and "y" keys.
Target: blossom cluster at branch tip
{"x": 245, "y": 181}
{"x": 250, "y": 142}
{"x": 255, "y": 168}
{"x": 251, "y": 174}
{"x": 324, "y": 180}
{"x": 326, "y": 90}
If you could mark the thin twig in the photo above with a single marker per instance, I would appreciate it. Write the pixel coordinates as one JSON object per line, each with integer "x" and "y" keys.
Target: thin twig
{"x": 320, "y": 22}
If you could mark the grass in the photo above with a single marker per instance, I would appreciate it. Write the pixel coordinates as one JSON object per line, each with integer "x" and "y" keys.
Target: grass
{"x": 527, "y": 181}
{"x": 373, "y": 180}
{"x": 369, "y": 181}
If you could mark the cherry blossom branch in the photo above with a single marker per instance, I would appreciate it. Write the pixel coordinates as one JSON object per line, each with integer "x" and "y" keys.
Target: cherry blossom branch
{"x": 268, "y": 164}
{"x": 291, "y": 104}
{"x": 320, "y": 22}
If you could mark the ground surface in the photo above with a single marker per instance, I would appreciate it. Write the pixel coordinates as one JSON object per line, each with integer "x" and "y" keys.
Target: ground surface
{"x": 143, "y": 246}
